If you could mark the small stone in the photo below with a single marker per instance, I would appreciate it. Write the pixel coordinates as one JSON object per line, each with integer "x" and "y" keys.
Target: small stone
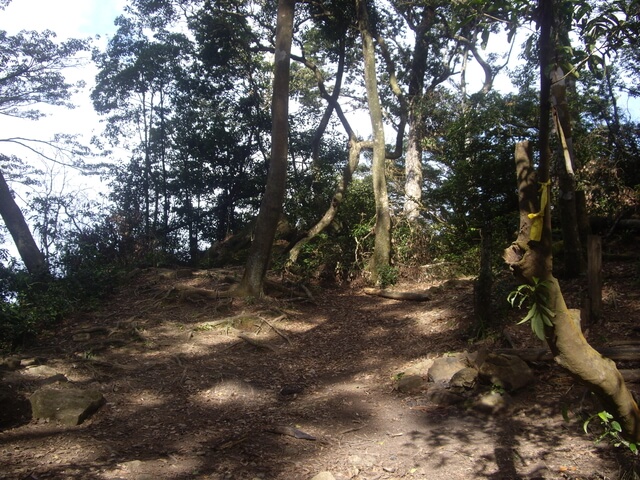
{"x": 492, "y": 402}
{"x": 28, "y": 362}
{"x": 40, "y": 372}
{"x": 465, "y": 378}
{"x": 507, "y": 371}
{"x": 441, "y": 395}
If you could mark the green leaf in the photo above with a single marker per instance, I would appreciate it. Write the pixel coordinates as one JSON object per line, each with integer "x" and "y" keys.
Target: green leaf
{"x": 532, "y": 312}
{"x": 538, "y": 328}
{"x": 616, "y": 426}
{"x": 585, "y": 425}
{"x": 605, "y": 416}
{"x": 547, "y": 311}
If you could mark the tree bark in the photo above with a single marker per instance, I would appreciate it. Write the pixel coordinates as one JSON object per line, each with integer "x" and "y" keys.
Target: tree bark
{"x": 572, "y": 249}
{"x": 413, "y": 170}
{"x": 564, "y": 338}
{"x": 382, "y": 248}
{"x": 484, "y": 284}
{"x": 260, "y": 252}
{"x": 14, "y": 220}
{"x": 355, "y": 148}
{"x": 413, "y": 158}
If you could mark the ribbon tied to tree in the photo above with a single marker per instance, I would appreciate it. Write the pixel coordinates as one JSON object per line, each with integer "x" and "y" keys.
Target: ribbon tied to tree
{"x": 537, "y": 218}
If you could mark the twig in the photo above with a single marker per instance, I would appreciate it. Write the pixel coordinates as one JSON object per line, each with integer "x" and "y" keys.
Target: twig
{"x": 275, "y": 329}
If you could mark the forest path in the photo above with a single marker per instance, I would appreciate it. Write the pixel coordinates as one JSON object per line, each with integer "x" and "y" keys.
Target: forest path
{"x": 187, "y": 398}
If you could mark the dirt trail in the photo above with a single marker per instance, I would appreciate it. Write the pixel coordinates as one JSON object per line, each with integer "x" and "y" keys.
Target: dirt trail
{"x": 187, "y": 398}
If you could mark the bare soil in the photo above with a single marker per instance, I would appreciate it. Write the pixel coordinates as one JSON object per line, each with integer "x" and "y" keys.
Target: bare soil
{"x": 290, "y": 387}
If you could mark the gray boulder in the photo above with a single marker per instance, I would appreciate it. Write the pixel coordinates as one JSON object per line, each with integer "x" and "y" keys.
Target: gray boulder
{"x": 464, "y": 379}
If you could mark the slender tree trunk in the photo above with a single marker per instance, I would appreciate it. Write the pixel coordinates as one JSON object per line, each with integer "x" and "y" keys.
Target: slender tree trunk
{"x": 260, "y": 252}
{"x": 338, "y": 197}
{"x": 413, "y": 170}
{"x": 484, "y": 284}
{"x": 413, "y": 157}
{"x": 572, "y": 249}
{"x": 545, "y": 12}
{"x": 382, "y": 247}
{"x": 31, "y": 255}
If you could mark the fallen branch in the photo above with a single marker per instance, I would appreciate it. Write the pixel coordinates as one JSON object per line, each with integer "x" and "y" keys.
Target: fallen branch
{"x": 413, "y": 296}
{"x": 619, "y": 353}
{"x": 275, "y": 329}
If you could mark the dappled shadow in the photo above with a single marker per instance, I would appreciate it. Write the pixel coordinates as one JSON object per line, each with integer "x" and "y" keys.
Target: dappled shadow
{"x": 15, "y": 409}
{"x": 187, "y": 402}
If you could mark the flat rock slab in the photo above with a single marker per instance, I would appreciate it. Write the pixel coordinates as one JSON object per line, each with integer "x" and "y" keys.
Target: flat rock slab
{"x": 68, "y": 406}
{"x": 444, "y": 368}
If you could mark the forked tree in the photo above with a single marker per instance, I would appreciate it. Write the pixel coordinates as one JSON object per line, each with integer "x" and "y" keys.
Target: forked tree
{"x": 530, "y": 258}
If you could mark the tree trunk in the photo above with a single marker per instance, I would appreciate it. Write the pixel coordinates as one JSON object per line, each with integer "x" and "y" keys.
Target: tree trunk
{"x": 413, "y": 170}
{"x": 564, "y": 338}
{"x": 338, "y": 197}
{"x": 382, "y": 249}
{"x": 413, "y": 158}
{"x": 572, "y": 249}
{"x": 530, "y": 256}
{"x": 14, "y": 220}
{"x": 484, "y": 284}
{"x": 271, "y": 207}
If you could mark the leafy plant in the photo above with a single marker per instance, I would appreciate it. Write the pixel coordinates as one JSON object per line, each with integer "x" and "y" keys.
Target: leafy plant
{"x": 612, "y": 430}
{"x": 537, "y": 296}
{"x": 387, "y": 276}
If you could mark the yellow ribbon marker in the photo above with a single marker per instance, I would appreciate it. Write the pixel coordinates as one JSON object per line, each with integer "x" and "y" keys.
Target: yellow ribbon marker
{"x": 537, "y": 224}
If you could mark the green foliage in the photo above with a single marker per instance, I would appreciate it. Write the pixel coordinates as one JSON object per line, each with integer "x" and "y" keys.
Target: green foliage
{"x": 612, "y": 431}
{"x": 27, "y": 307}
{"x": 537, "y": 296}
{"x": 387, "y": 276}
{"x": 342, "y": 250}
{"x": 31, "y": 68}
{"x": 411, "y": 243}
